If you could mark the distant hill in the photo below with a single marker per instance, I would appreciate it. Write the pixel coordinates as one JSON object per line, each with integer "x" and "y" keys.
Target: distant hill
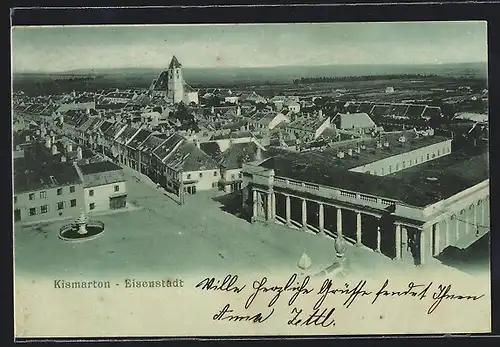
{"x": 280, "y": 74}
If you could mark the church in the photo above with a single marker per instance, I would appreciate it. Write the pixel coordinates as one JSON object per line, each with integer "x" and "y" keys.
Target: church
{"x": 172, "y": 85}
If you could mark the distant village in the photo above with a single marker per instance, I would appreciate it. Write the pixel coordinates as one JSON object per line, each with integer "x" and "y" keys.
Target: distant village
{"x": 292, "y": 160}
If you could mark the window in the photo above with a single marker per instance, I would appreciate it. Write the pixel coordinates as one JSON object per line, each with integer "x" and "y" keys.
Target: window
{"x": 72, "y": 189}
{"x": 189, "y": 176}
{"x": 404, "y": 164}
{"x": 44, "y": 209}
{"x": 428, "y": 156}
{"x": 72, "y": 202}
{"x": 421, "y": 159}
{"x": 15, "y": 199}
{"x": 117, "y": 188}
{"x": 411, "y": 162}
{"x": 32, "y": 211}
{"x": 59, "y": 191}
{"x": 214, "y": 185}
{"x": 215, "y": 173}
{"x": 91, "y": 206}
{"x": 382, "y": 171}
{"x": 390, "y": 168}
{"x": 240, "y": 175}
{"x": 439, "y": 152}
{"x": 397, "y": 167}
{"x": 32, "y": 196}
{"x": 201, "y": 174}
{"x": 60, "y": 205}
{"x": 91, "y": 192}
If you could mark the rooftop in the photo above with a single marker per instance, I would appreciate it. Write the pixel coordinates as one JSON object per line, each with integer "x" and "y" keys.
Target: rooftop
{"x": 450, "y": 174}
{"x": 307, "y": 124}
{"x": 139, "y": 138}
{"x": 237, "y": 154}
{"x": 98, "y": 167}
{"x": 47, "y": 176}
{"x": 189, "y": 157}
{"x": 232, "y": 135}
{"x": 101, "y": 173}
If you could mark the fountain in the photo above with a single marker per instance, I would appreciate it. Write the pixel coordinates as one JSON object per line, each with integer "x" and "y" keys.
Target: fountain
{"x": 81, "y": 229}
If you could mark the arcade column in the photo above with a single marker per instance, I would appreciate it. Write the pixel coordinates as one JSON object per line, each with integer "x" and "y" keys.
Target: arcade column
{"x": 304, "y": 214}
{"x": 358, "y": 229}
{"x": 321, "y": 217}
{"x": 288, "y": 210}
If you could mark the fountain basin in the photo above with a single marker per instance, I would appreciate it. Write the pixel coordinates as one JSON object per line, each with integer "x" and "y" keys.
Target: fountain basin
{"x": 71, "y": 232}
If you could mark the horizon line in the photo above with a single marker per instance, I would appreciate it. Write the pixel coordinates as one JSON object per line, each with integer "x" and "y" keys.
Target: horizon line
{"x": 89, "y": 69}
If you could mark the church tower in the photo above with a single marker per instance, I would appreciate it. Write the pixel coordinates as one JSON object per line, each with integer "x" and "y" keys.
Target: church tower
{"x": 175, "y": 84}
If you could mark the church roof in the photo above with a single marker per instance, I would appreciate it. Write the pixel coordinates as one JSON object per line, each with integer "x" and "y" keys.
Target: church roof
{"x": 174, "y": 63}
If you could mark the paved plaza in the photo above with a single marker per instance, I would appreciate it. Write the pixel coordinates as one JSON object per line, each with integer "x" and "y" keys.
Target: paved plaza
{"x": 158, "y": 235}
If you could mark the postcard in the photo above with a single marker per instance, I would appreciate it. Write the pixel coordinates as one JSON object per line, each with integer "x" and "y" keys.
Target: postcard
{"x": 251, "y": 179}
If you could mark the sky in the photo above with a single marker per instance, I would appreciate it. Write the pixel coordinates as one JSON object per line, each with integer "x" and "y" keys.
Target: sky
{"x": 65, "y": 48}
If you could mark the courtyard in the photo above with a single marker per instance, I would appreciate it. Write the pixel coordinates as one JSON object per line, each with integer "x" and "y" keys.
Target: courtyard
{"x": 199, "y": 237}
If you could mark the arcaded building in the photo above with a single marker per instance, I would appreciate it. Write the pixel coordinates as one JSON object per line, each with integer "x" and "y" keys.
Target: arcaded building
{"x": 407, "y": 195}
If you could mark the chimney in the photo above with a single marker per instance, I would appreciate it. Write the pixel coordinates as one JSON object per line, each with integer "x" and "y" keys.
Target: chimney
{"x": 349, "y": 152}
{"x": 54, "y": 149}
{"x": 53, "y": 139}
{"x": 27, "y": 138}
{"x": 358, "y": 149}
{"x": 320, "y": 113}
{"x": 340, "y": 154}
{"x": 258, "y": 154}
{"x": 379, "y": 144}
{"x": 48, "y": 142}
{"x": 63, "y": 159}
{"x": 69, "y": 147}
{"x": 79, "y": 153}
{"x": 238, "y": 111}
{"x": 38, "y": 132}
{"x": 386, "y": 144}
{"x": 61, "y": 118}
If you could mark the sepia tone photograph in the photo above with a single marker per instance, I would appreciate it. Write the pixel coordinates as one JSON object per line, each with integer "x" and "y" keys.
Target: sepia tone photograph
{"x": 202, "y": 160}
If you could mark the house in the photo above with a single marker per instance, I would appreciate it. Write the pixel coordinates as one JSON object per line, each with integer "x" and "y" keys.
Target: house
{"x": 359, "y": 122}
{"x": 253, "y": 97}
{"x": 308, "y": 128}
{"x": 75, "y": 106}
{"x": 231, "y": 161}
{"x": 119, "y": 97}
{"x": 146, "y": 150}
{"x": 45, "y": 192}
{"x": 104, "y": 186}
{"x": 121, "y": 142}
{"x": 180, "y": 162}
{"x": 267, "y": 119}
{"x": 134, "y": 155}
{"x": 225, "y": 140}
{"x": 292, "y": 106}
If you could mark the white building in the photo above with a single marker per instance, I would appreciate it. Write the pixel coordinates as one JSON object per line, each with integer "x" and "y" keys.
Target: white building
{"x": 104, "y": 186}
{"x": 172, "y": 81}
